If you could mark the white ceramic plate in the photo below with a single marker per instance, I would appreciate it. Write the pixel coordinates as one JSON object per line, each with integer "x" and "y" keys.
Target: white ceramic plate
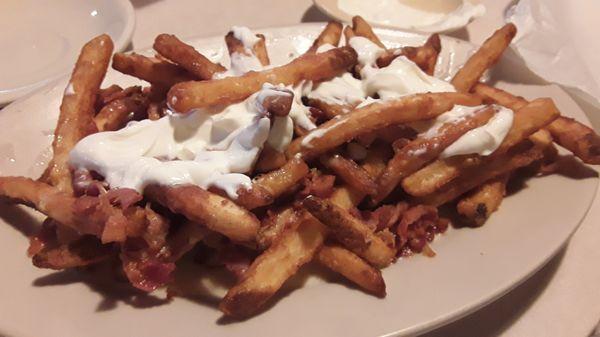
{"x": 331, "y": 8}
{"x": 472, "y": 268}
{"x": 41, "y": 39}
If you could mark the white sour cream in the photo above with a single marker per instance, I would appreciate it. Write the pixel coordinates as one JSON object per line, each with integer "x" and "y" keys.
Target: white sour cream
{"x": 203, "y": 148}
{"x": 485, "y": 139}
{"x": 342, "y": 90}
{"x": 421, "y": 15}
{"x": 245, "y": 35}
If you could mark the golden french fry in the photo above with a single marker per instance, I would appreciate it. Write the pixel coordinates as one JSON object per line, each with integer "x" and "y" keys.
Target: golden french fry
{"x": 85, "y": 215}
{"x": 331, "y": 34}
{"x": 268, "y": 187}
{"x": 81, "y": 252}
{"x": 522, "y": 155}
{"x": 424, "y": 56}
{"x": 260, "y": 50}
{"x": 330, "y": 110}
{"x": 186, "y": 56}
{"x": 158, "y": 72}
{"x": 353, "y": 268}
{"x": 363, "y": 28}
{"x": 77, "y": 110}
{"x": 269, "y": 160}
{"x": 350, "y": 231}
{"x": 479, "y": 204}
{"x": 486, "y": 56}
{"x": 215, "y": 212}
{"x": 313, "y": 67}
{"x": 375, "y": 116}
{"x": 423, "y": 150}
{"x": 348, "y": 34}
{"x": 119, "y": 112}
{"x": 352, "y": 174}
{"x": 580, "y": 139}
{"x": 527, "y": 120}
{"x": 272, "y": 268}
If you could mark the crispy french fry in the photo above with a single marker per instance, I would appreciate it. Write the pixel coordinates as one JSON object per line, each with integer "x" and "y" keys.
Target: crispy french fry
{"x": 350, "y": 173}
{"x": 86, "y": 215}
{"x": 275, "y": 224}
{"x": 81, "y": 252}
{"x": 158, "y": 72}
{"x": 486, "y": 56}
{"x": 272, "y": 268}
{"x": 269, "y": 160}
{"x": 527, "y": 120}
{"x": 353, "y": 268}
{"x": 498, "y": 96}
{"x": 267, "y": 187}
{"x": 479, "y": 204}
{"x": 424, "y": 56}
{"x": 526, "y": 153}
{"x": 119, "y": 112}
{"x": 330, "y": 110}
{"x": 331, "y": 34}
{"x": 260, "y": 50}
{"x": 350, "y": 231}
{"x": 375, "y": 116}
{"x": 423, "y": 150}
{"x": 348, "y": 34}
{"x": 215, "y": 212}
{"x": 313, "y": 67}
{"x": 186, "y": 56}
{"x": 363, "y": 28}
{"x": 77, "y": 110}
{"x": 580, "y": 139}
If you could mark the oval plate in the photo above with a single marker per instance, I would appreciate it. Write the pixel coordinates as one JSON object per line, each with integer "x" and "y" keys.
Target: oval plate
{"x": 472, "y": 266}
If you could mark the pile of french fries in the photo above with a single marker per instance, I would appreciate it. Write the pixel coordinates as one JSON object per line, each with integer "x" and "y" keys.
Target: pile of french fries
{"x": 354, "y": 199}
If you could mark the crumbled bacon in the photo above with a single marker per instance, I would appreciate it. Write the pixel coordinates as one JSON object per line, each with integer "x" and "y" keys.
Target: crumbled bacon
{"x": 84, "y": 183}
{"x": 317, "y": 184}
{"x": 418, "y": 227}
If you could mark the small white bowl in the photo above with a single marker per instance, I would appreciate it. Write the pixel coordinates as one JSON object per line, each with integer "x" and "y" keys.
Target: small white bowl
{"x": 41, "y": 39}
{"x": 332, "y": 8}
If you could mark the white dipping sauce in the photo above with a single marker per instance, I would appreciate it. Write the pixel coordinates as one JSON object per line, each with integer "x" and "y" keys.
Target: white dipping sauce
{"x": 422, "y": 15}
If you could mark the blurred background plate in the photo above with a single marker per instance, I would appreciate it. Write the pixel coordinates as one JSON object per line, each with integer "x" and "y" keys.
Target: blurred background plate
{"x": 41, "y": 39}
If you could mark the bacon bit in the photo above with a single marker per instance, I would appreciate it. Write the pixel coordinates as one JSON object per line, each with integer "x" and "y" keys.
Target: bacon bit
{"x": 123, "y": 197}
{"x": 115, "y": 229}
{"x": 318, "y": 116}
{"x": 418, "y": 227}
{"x": 84, "y": 183}
{"x": 235, "y": 259}
{"x": 317, "y": 184}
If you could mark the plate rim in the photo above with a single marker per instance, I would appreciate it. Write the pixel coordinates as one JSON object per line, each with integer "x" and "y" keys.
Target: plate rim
{"x": 125, "y": 6}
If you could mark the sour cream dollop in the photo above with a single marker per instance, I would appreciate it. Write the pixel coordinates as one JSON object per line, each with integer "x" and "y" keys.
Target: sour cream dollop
{"x": 424, "y": 16}
{"x": 205, "y": 148}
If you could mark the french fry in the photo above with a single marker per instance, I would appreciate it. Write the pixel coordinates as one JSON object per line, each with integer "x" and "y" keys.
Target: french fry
{"x": 260, "y": 50}
{"x": 528, "y": 152}
{"x": 348, "y": 34}
{"x": 363, "y": 28}
{"x": 580, "y": 139}
{"x": 85, "y": 215}
{"x": 77, "y": 110}
{"x": 350, "y": 173}
{"x": 498, "y": 96}
{"x": 423, "y": 150}
{"x": 84, "y": 251}
{"x": 272, "y": 268}
{"x": 269, "y": 160}
{"x": 350, "y": 231}
{"x": 424, "y": 56}
{"x": 268, "y": 187}
{"x": 313, "y": 67}
{"x": 479, "y": 204}
{"x": 353, "y": 268}
{"x": 375, "y": 116}
{"x": 185, "y": 238}
{"x": 119, "y": 112}
{"x": 527, "y": 120}
{"x": 330, "y": 110}
{"x": 486, "y": 56}
{"x": 157, "y": 72}
{"x": 186, "y": 56}
{"x": 215, "y": 212}
{"x": 331, "y": 34}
